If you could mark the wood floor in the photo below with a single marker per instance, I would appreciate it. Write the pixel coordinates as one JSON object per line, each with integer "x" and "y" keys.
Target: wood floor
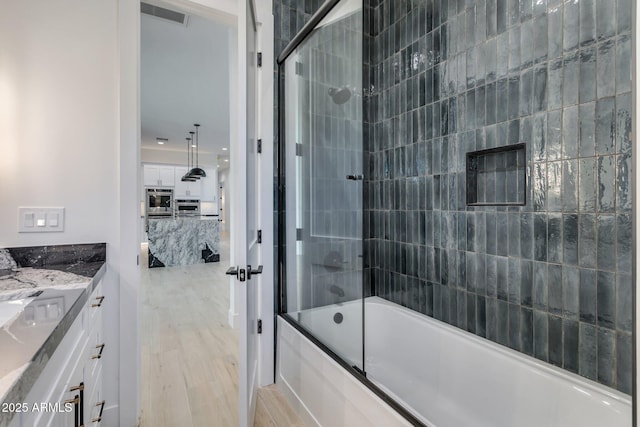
{"x": 190, "y": 354}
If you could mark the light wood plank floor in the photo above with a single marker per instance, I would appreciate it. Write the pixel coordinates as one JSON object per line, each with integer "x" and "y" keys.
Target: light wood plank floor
{"x": 190, "y": 354}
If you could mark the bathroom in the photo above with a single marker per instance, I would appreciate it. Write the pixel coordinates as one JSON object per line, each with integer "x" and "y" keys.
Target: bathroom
{"x": 466, "y": 161}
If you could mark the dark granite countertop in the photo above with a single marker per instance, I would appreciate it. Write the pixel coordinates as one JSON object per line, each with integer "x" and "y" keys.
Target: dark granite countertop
{"x": 60, "y": 278}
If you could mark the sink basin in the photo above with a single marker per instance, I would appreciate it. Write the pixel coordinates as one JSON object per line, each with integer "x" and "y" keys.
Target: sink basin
{"x": 9, "y": 310}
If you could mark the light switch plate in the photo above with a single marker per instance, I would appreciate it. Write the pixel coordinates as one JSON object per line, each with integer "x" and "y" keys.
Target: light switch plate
{"x": 40, "y": 220}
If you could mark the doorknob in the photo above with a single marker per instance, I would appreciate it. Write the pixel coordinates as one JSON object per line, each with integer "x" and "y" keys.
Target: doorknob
{"x": 236, "y": 271}
{"x": 251, "y": 271}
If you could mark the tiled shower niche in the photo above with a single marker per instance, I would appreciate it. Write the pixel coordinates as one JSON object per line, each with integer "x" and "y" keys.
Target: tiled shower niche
{"x": 551, "y": 278}
{"x": 497, "y": 176}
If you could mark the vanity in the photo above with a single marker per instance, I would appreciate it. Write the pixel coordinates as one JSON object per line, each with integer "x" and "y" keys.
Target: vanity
{"x": 51, "y": 335}
{"x": 183, "y": 240}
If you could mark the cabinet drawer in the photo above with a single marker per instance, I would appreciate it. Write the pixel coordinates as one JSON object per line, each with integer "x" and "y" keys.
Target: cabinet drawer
{"x": 95, "y": 304}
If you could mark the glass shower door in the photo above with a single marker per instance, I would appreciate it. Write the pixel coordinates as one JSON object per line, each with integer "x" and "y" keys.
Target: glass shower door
{"x": 324, "y": 188}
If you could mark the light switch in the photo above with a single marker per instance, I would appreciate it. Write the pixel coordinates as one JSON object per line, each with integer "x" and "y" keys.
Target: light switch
{"x": 52, "y": 218}
{"x": 29, "y": 219}
{"x": 40, "y": 220}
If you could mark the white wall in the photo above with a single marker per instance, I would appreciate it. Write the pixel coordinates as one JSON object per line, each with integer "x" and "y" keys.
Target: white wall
{"x": 177, "y": 157}
{"x": 58, "y": 117}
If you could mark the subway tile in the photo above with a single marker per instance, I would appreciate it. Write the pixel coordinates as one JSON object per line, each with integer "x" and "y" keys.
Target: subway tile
{"x": 540, "y": 237}
{"x": 555, "y": 288}
{"x": 556, "y": 32}
{"x": 502, "y": 226}
{"x": 587, "y": 185}
{"x": 502, "y": 283}
{"x": 624, "y": 16}
{"x": 570, "y": 337}
{"x": 554, "y": 186}
{"x": 588, "y": 351}
{"x": 513, "y": 280}
{"x": 606, "y": 62}
{"x": 526, "y": 331}
{"x": 540, "y": 37}
{"x": 514, "y": 234}
{"x": 569, "y": 186}
{"x": 471, "y": 313}
{"x": 624, "y": 236}
{"x": 623, "y": 63}
{"x": 571, "y": 292}
{"x": 605, "y": 126}
{"x": 605, "y": 19}
{"x": 554, "y": 238}
{"x": 587, "y": 129}
{"x": 588, "y": 77}
{"x": 491, "y": 233}
{"x": 606, "y": 242}
{"x": 541, "y": 89}
{"x": 623, "y": 183}
{"x": 606, "y": 357}
{"x": 492, "y": 319}
{"x": 606, "y": 299}
{"x": 588, "y": 296}
{"x": 624, "y": 303}
{"x": 481, "y": 317}
{"x": 526, "y": 283}
{"x": 540, "y": 286}
{"x": 624, "y": 357}
{"x": 526, "y": 236}
{"x": 571, "y": 26}
{"x": 587, "y": 22}
{"x": 587, "y": 241}
{"x": 570, "y": 130}
{"x": 502, "y": 321}
{"x": 554, "y": 84}
{"x": 571, "y": 82}
{"x": 515, "y": 341}
{"x": 606, "y": 184}
{"x": 540, "y": 335}
{"x": 555, "y": 340}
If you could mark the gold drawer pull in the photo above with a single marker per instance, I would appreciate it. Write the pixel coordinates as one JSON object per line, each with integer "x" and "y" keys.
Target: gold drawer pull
{"x": 99, "y": 355}
{"x": 78, "y": 387}
{"x": 99, "y": 303}
{"x": 75, "y": 400}
{"x": 99, "y": 417}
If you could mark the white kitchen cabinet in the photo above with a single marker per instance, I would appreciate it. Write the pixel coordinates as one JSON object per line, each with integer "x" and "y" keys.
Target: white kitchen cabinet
{"x": 186, "y": 190}
{"x": 75, "y": 369}
{"x": 158, "y": 176}
{"x": 210, "y": 186}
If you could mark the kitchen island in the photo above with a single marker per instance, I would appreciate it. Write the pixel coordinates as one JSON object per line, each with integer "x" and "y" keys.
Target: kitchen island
{"x": 183, "y": 240}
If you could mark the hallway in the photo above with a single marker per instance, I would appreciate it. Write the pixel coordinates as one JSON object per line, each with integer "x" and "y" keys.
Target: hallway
{"x": 190, "y": 354}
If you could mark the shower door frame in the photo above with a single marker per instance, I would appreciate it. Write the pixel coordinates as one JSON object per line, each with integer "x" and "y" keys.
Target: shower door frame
{"x": 281, "y": 302}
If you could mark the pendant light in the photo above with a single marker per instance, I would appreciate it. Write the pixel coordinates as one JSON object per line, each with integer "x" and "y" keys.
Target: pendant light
{"x": 186, "y": 177}
{"x": 197, "y": 172}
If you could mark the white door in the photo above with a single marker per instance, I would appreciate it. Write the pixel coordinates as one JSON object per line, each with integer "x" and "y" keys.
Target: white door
{"x": 247, "y": 214}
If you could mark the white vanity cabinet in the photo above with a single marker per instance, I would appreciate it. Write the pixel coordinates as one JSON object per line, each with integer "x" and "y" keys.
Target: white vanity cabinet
{"x": 73, "y": 375}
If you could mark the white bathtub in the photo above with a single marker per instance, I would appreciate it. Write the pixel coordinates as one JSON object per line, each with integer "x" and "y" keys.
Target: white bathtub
{"x": 450, "y": 378}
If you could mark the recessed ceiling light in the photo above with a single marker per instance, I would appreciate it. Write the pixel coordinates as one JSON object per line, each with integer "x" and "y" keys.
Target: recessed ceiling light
{"x": 162, "y": 141}
{"x": 226, "y": 160}
{"x": 224, "y": 148}
{"x": 193, "y": 145}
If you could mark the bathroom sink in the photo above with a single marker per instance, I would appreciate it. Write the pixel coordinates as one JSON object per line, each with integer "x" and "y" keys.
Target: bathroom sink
{"x": 9, "y": 310}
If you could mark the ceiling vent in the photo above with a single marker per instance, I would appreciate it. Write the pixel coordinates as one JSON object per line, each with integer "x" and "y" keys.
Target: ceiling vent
{"x": 164, "y": 14}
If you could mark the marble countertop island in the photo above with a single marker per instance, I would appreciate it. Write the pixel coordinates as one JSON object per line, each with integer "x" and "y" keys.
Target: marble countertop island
{"x": 42, "y": 291}
{"x": 183, "y": 241}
